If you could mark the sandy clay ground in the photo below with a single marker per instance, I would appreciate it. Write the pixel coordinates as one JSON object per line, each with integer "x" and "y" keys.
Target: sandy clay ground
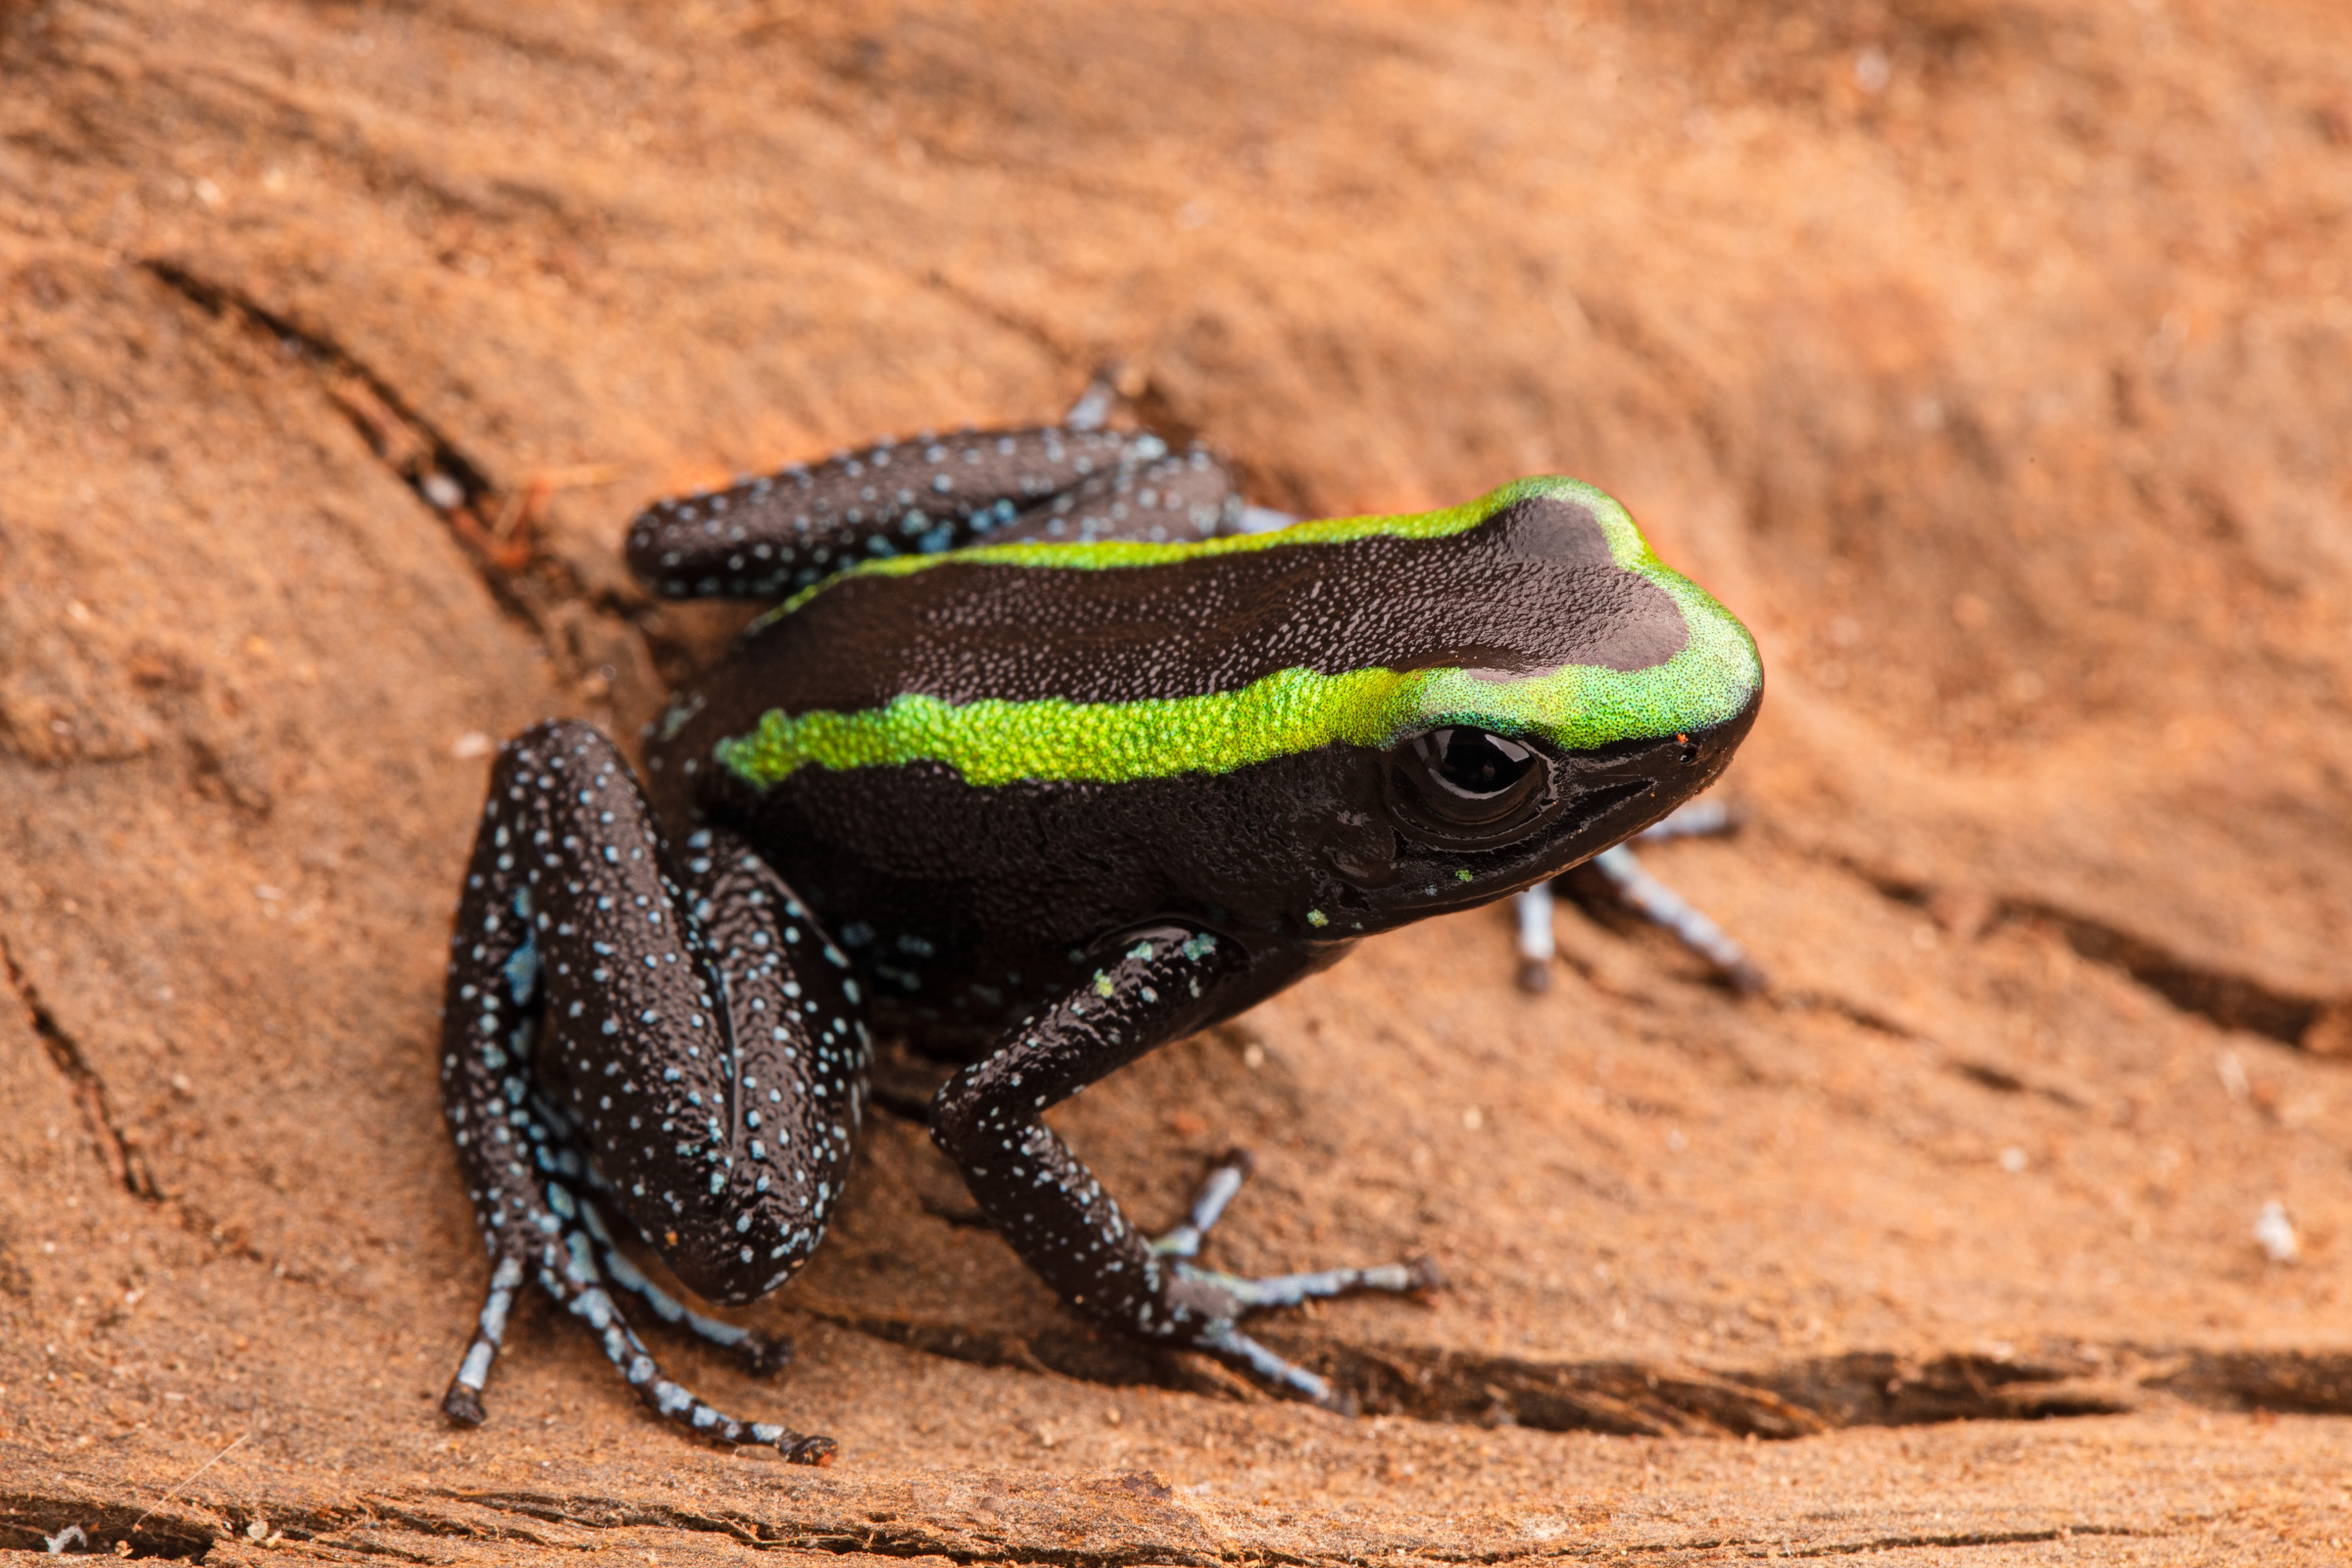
{"x": 1991, "y": 357}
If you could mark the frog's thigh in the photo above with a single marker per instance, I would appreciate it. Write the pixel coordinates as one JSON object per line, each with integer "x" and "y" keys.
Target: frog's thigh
{"x": 570, "y": 896}
{"x": 700, "y": 1030}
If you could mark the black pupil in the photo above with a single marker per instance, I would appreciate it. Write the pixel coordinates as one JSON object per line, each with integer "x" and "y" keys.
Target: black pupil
{"x": 1476, "y": 762}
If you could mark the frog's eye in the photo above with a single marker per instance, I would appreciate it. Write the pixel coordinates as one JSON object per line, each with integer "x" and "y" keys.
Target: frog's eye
{"x": 1467, "y": 781}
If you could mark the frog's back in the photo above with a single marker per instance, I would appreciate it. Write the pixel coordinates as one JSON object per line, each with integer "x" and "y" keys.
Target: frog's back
{"x": 1532, "y": 586}
{"x": 974, "y": 763}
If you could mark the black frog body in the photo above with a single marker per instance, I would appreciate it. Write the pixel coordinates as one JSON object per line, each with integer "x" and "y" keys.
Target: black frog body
{"x": 1060, "y": 767}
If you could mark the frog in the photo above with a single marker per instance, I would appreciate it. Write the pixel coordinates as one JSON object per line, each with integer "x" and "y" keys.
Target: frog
{"x": 1047, "y": 750}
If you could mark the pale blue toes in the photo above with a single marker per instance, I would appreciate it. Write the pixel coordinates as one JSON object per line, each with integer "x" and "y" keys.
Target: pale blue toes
{"x": 1631, "y": 886}
{"x": 1243, "y": 1293}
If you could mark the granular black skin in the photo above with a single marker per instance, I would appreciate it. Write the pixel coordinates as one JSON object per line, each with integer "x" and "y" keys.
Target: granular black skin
{"x": 1530, "y": 589}
{"x": 998, "y": 887}
{"x": 658, "y": 997}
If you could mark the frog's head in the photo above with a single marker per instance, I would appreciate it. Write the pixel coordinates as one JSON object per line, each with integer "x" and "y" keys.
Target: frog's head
{"x": 1613, "y": 690}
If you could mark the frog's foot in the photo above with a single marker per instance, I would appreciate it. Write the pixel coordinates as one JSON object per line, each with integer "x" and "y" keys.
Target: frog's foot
{"x": 1223, "y": 1299}
{"x": 1233, "y": 1295}
{"x": 1683, "y": 921}
{"x": 569, "y": 1272}
{"x": 576, "y": 1286}
{"x": 1627, "y": 883}
{"x": 1051, "y": 1210}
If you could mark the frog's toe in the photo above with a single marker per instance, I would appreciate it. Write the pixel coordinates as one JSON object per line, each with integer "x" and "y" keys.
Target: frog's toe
{"x": 1231, "y": 1296}
{"x": 764, "y": 1356}
{"x": 1217, "y": 1189}
{"x": 1241, "y": 1350}
{"x": 593, "y": 1305}
{"x": 1245, "y": 1295}
{"x": 816, "y": 1450}
{"x": 1417, "y": 1276}
{"x": 1533, "y": 906}
{"x": 463, "y": 1403}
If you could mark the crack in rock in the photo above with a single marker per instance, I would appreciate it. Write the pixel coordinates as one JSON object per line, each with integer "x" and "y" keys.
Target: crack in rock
{"x": 1635, "y": 1398}
{"x": 30, "y": 1522}
{"x": 2222, "y": 998}
{"x": 491, "y": 522}
{"x": 456, "y": 487}
{"x": 1136, "y": 1505}
{"x": 117, "y": 1148}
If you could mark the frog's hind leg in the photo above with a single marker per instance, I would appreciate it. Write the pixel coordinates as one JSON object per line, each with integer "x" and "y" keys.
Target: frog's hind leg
{"x": 607, "y": 996}
{"x": 765, "y": 535}
{"x": 1165, "y": 498}
{"x": 1211, "y": 492}
{"x": 764, "y": 1356}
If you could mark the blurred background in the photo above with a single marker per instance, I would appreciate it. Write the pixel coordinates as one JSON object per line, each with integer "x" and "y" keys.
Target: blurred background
{"x": 1993, "y": 359}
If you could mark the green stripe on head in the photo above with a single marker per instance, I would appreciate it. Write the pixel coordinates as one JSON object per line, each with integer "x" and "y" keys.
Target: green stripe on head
{"x": 992, "y": 740}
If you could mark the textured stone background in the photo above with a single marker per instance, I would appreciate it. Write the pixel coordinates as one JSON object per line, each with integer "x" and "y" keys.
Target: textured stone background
{"x": 1993, "y": 358}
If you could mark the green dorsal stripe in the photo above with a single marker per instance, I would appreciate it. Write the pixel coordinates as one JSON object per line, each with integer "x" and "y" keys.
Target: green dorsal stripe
{"x": 992, "y": 741}
{"x": 1626, "y": 544}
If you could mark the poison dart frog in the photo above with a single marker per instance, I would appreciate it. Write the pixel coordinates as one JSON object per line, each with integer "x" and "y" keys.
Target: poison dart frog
{"x": 1048, "y": 755}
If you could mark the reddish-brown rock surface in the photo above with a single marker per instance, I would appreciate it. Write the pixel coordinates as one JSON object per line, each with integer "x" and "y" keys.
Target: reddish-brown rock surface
{"x": 1991, "y": 357}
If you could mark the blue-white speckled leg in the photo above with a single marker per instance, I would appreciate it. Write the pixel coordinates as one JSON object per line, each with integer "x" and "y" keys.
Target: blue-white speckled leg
{"x": 678, "y": 1014}
{"x": 768, "y": 534}
{"x": 1169, "y": 497}
{"x": 1054, "y": 1213}
{"x": 764, "y": 1356}
{"x": 761, "y": 1354}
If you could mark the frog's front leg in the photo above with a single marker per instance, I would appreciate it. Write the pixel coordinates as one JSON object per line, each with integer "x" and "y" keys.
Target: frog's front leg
{"x": 665, "y": 1038}
{"x": 1045, "y": 1203}
{"x": 1617, "y": 875}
